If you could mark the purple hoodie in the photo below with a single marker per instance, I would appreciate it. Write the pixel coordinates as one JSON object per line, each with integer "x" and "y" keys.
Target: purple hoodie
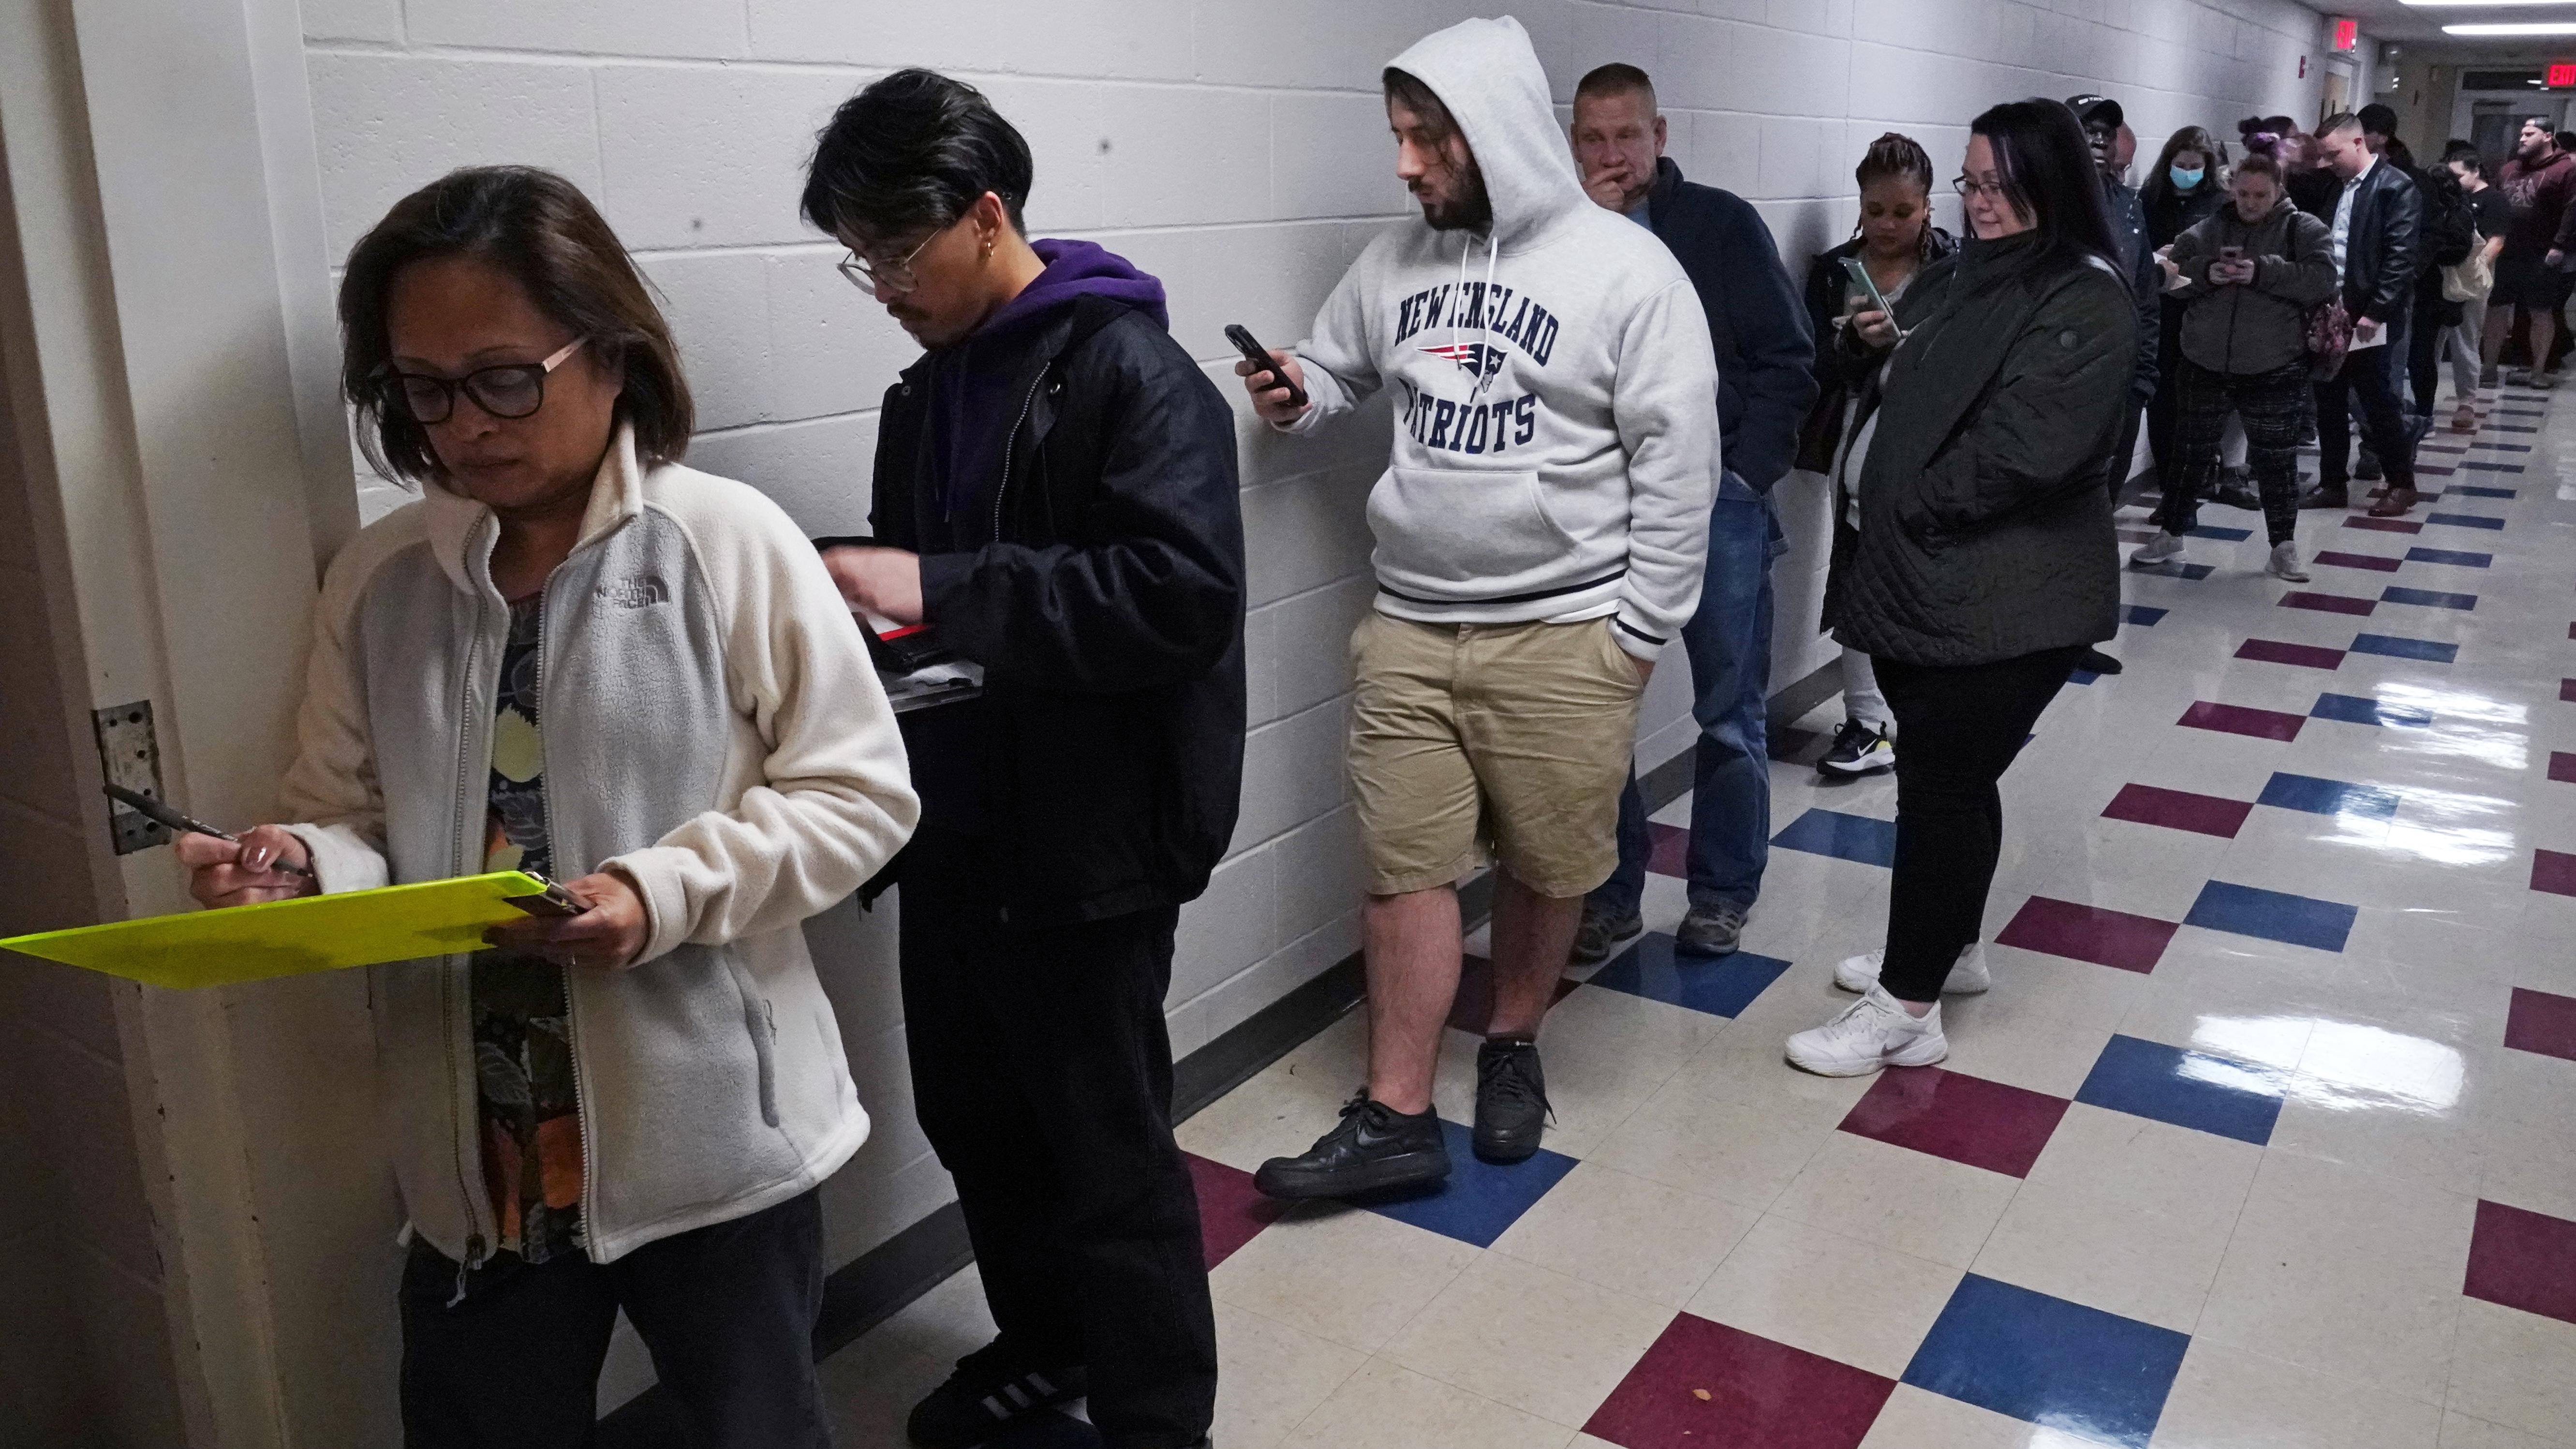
{"x": 974, "y": 382}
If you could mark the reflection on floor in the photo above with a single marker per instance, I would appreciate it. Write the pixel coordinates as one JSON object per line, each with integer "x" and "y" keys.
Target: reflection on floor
{"x": 2266, "y": 1135}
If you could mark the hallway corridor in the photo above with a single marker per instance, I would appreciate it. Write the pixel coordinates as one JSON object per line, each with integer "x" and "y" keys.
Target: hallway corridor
{"x": 2265, "y": 1136}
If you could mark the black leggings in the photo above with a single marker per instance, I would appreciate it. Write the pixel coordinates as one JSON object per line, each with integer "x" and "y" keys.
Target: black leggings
{"x": 2270, "y": 404}
{"x": 1958, "y": 728}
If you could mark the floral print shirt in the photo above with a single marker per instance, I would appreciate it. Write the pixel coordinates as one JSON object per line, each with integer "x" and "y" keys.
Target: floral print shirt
{"x": 531, "y": 1121}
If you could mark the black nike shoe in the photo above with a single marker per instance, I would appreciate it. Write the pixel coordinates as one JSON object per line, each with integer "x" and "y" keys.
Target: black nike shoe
{"x": 1511, "y": 1099}
{"x": 1860, "y": 748}
{"x": 992, "y": 1389}
{"x": 1375, "y": 1147}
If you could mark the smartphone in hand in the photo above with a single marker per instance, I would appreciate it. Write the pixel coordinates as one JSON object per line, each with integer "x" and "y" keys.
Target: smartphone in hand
{"x": 1259, "y": 356}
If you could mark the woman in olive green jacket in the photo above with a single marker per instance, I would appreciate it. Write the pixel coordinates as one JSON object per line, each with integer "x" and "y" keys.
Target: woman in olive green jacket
{"x": 1984, "y": 563}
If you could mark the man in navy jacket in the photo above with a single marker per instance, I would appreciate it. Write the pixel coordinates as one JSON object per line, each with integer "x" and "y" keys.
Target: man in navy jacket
{"x": 1764, "y": 385}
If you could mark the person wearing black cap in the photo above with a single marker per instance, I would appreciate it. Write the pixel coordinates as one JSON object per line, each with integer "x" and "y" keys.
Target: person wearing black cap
{"x": 2102, "y": 121}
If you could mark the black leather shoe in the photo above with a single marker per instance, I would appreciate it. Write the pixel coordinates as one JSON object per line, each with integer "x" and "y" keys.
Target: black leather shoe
{"x": 992, "y": 1389}
{"x": 1599, "y": 932}
{"x": 1376, "y": 1147}
{"x": 2097, "y": 662}
{"x": 1511, "y": 1099}
{"x": 2322, "y": 496}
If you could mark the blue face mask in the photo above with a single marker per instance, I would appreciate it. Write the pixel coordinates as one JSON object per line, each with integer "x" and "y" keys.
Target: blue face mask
{"x": 2185, "y": 180}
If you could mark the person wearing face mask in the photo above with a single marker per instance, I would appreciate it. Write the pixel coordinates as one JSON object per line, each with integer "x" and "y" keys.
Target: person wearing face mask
{"x": 1894, "y": 241}
{"x": 2184, "y": 188}
{"x": 2248, "y": 277}
{"x": 1985, "y": 561}
{"x": 1764, "y": 353}
{"x": 572, "y": 654}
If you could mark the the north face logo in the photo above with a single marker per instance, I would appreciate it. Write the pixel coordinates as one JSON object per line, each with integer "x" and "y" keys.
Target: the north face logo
{"x": 641, "y": 592}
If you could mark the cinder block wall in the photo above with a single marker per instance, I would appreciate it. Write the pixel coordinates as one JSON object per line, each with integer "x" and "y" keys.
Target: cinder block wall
{"x": 1236, "y": 148}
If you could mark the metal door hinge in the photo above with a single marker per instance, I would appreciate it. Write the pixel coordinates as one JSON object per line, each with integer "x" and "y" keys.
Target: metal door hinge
{"x": 131, "y": 757}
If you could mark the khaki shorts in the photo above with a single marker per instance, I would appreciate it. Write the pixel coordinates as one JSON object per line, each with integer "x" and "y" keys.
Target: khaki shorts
{"x": 1511, "y": 737}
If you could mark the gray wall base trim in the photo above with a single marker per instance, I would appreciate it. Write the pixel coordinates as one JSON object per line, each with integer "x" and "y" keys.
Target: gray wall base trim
{"x": 874, "y": 1286}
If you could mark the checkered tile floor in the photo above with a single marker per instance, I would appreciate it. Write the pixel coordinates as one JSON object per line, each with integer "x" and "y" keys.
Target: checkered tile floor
{"x": 2266, "y": 1135}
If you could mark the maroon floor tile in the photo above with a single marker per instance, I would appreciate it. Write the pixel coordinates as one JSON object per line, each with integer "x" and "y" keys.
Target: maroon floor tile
{"x": 2384, "y": 525}
{"x": 1231, "y": 1212}
{"x": 2275, "y": 651}
{"x": 1965, "y": 1119}
{"x": 1704, "y": 1385}
{"x": 2543, "y": 1022}
{"x": 2553, "y": 871}
{"x": 2237, "y": 719}
{"x": 2179, "y": 810}
{"x": 2375, "y": 562}
{"x": 2327, "y": 603}
{"x": 2089, "y": 933}
{"x": 2562, "y": 766}
{"x": 1671, "y": 849}
{"x": 2567, "y": 691}
{"x": 2523, "y": 1260}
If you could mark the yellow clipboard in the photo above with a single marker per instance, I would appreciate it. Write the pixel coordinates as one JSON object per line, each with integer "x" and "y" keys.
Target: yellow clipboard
{"x": 288, "y": 938}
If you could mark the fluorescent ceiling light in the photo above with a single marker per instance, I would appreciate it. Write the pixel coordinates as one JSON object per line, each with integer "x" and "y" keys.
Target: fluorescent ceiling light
{"x": 2545, "y": 27}
{"x": 2479, "y": 4}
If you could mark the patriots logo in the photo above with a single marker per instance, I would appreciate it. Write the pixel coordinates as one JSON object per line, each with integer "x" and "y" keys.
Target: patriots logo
{"x": 1477, "y": 359}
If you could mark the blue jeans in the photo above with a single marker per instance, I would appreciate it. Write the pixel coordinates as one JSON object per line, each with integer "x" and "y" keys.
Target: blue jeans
{"x": 1729, "y": 643}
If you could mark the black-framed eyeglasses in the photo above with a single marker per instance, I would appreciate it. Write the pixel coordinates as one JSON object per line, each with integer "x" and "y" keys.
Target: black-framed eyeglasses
{"x": 511, "y": 390}
{"x": 1970, "y": 186}
{"x": 895, "y": 277}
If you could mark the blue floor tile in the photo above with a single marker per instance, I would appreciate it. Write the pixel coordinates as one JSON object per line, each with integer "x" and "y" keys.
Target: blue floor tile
{"x": 2078, "y": 676}
{"x": 2042, "y": 1360}
{"x": 2486, "y": 467}
{"x": 2466, "y": 491}
{"x": 2230, "y": 535}
{"x": 2397, "y": 647}
{"x": 1478, "y": 1199}
{"x": 2514, "y": 427}
{"x": 2185, "y": 1088}
{"x": 2327, "y": 797}
{"x": 1849, "y": 837}
{"x": 2272, "y": 915}
{"x": 2464, "y": 520}
{"x": 2450, "y": 556}
{"x": 2143, "y": 615}
{"x": 2353, "y": 709}
{"x": 2429, "y": 598}
{"x": 2503, "y": 447}
{"x": 1718, "y": 985}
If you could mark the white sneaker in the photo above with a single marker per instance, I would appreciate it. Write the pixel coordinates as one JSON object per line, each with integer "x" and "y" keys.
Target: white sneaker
{"x": 1968, "y": 977}
{"x": 2285, "y": 563}
{"x": 1873, "y": 1032}
{"x": 2163, "y": 549}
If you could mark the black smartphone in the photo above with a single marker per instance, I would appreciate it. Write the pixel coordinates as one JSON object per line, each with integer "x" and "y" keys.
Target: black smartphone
{"x": 1259, "y": 356}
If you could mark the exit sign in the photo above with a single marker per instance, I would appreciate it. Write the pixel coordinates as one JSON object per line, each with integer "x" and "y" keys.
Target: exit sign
{"x": 2347, "y": 33}
{"x": 2560, "y": 73}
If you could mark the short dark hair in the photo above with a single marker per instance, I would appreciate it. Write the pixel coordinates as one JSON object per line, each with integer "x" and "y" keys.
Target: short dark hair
{"x": 2465, "y": 153}
{"x": 1618, "y": 78}
{"x": 912, "y": 153}
{"x": 2281, "y": 125}
{"x": 2378, "y": 119}
{"x": 542, "y": 231}
{"x": 2339, "y": 121}
{"x": 2047, "y": 169}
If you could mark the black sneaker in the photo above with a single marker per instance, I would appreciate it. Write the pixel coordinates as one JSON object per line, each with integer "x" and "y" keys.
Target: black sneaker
{"x": 1511, "y": 1099}
{"x": 1375, "y": 1147}
{"x": 1599, "y": 932}
{"x": 2325, "y": 495}
{"x": 2367, "y": 467}
{"x": 992, "y": 1389}
{"x": 1859, "y": 749}
{"x": 2237, "y": 494}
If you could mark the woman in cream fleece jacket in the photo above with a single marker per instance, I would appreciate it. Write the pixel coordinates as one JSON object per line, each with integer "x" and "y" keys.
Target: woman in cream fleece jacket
{"x": 573, "y": 654}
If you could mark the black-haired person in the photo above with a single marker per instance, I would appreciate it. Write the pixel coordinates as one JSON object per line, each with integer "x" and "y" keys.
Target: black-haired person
{"x": 2378, "y": 248}
{"x": 2135, "y": 255}
{"x": 1894, "y": 240}
{"x": 2475, "y": 278}
{"x": 655, "y": 693}
{"x": 2539, "y": 182}
{"x": 1764, "y": 383}
{"x": 2450, "y": 238}
{"x": 2187, "y": 185}
{"x": 1055, "y": 494}
{"x": 2250, "y": 275}
{"x": 1985, "y": 560}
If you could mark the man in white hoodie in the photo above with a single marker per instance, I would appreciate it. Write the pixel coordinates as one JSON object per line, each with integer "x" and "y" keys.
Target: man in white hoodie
{"x": 1541, "y": 533}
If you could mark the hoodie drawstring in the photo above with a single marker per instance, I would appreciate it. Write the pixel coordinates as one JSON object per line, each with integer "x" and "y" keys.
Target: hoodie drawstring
{"x": 1484, "y": 309}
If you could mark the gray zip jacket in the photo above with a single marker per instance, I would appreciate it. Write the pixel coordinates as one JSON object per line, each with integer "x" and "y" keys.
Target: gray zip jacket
{"x": 714, "y": 733}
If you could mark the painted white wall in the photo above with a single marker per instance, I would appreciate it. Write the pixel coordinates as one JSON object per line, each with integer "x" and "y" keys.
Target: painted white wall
{"x": 1235, "y": 148}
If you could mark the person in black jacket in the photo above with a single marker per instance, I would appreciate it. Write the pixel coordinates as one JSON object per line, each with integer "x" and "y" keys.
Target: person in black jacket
{"x": 1984, "y": 561}
{"x": 1056, "y": 497}
{"x": 1764, "y": 353}
{"x": 2376, "y": 225}
{"x": 2135, "y": 255}
{"x": 2186, "y": 186}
